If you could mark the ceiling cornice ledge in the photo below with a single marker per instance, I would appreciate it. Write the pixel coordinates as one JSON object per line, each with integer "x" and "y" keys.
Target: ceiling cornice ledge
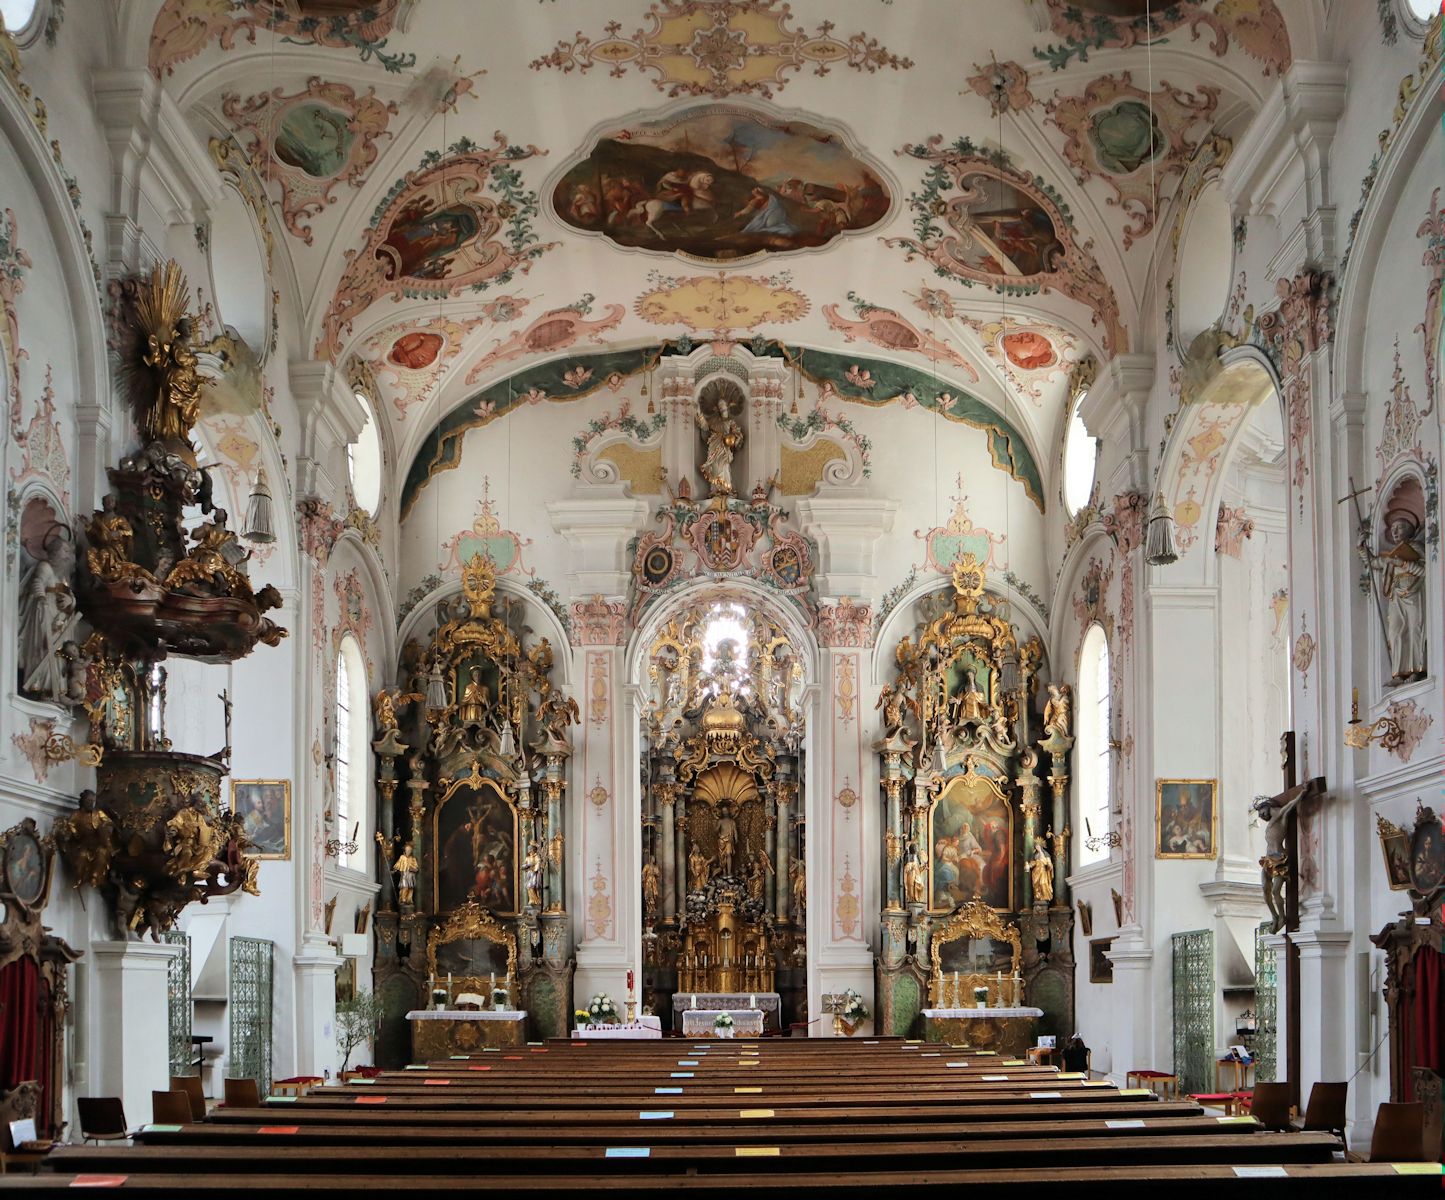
{"x": 1114, "y": 410}
{"x": 331, "y": 419}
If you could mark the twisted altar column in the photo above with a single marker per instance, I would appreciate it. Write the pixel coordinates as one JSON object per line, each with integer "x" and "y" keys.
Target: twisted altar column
{"x": 782, "y": 866}
{"x": 415, "y": 810}
{"x": 553, "y": 785}
{"x": 893, "y": 789}
{"x": 679, "y": 859}
{"x": 770, "y": 848}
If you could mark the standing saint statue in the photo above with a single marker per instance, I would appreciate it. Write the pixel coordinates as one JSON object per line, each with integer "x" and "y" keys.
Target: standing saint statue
{"x": 727, "y": 840}
{"x": 698, "y": 868}
{"x": 651, "y": 885}
{"x": 723, "y": 437}
{"x": 1402, "y": 587}
{"x": 405, "y": 867}
{"x": 1041, "y": 871}
{"x": 532, "y": 875}
{"x": 915, "y": 878}
{"x": 47, "y": 616}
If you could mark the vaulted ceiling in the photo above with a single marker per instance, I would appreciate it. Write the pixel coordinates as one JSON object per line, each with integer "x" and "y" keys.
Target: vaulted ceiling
{"x": 459, "y": 190}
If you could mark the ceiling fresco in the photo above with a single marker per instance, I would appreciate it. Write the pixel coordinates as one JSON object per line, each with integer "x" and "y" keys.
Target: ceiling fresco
{"x": 719, "y": 183}
{"x": 649, "y": 187}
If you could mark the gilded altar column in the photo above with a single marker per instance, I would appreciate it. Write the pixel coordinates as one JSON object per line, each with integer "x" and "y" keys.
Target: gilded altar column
{"x": 666, "y": 793}
{"x": 1059, "y": 784}
{"x": 783, "y": 863}
{"x": 770, "y": 848}
{"x": 554, "y": 783}
{"x": 893, "y": 790}
{"x": 416, "y": 809}
{"x": 1032, "y": 809}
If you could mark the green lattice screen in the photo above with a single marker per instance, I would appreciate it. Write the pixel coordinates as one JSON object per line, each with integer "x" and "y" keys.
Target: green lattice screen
{"x": 1194, "y": 1010}
{"x": 1266, "y": 1002}
{"x": 178, "y": 987}
{"x": 249, "y": 1011}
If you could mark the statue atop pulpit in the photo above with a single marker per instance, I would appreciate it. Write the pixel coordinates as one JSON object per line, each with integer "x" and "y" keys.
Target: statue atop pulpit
{"x": 718, "y": 406}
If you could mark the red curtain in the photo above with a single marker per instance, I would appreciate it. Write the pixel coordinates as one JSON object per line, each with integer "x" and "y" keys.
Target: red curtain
{"x": 1427, "y": 1045}
{"x": 25, "y": 1032}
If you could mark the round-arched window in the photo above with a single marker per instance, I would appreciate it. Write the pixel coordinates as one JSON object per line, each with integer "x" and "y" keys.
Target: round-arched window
{"x": 1092, "y": 765}
{"x": 349, "y": 729}
{"x": 1081, "y": 460}
{"x": 1206, "y": 258}
{"x": 17, "y": 16}
{"x": 1422, "y": 10}
{"x": 363, "y": 462}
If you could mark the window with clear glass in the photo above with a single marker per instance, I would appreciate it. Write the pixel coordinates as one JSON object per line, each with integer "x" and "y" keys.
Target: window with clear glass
{"x": 1081, "y": 457}
{"x": 17, "y": 14}
{"x": 349, "y": 730}
{"x": 1092, "y": 761}
{"x": 363, "y": 462}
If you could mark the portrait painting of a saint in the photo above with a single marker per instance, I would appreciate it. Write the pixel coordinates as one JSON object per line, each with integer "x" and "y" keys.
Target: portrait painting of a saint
{"x": 476, "y": 850}
{"x": 970, "y": 841}
{"x": 1186, "y": 818}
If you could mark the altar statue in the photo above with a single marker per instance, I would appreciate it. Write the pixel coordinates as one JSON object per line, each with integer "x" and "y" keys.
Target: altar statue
{"x": 699, "y": 869}
{"x": 724, "y": 437}
{"x": 1041, "y": 870}
{"x": 799, "y": 876}
{"x": 758, "y": 874}
{"x": 651, "y": 885}
{"x": 727, "y": 840}
{"x": 1058, "y": 711}
{"x": 1274, "y": 866}
{"x": 405, "y": 866}
{"x": 47, "y": 616}
{"x": 972, "y": 705}
{"x": 915, "y": 878}
{"x": 532, "y": 875}
{"x": 1402, "y": 586}
{"x": 475, "y": 700}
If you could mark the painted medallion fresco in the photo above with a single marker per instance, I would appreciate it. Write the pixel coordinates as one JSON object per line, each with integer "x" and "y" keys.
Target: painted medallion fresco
{"x": 720, "y": 183}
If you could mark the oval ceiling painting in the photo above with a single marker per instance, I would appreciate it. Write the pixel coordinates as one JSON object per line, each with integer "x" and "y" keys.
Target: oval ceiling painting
{"x": 720, "y": 183}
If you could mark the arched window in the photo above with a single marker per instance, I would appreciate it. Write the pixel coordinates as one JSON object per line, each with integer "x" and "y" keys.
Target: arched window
{"x": 1091, "y": 748}
{"x": 1081, "y": 457}
{"x": 363, "y": 462}
{"x": 349, "y": 730}
{"x": 18, "y": 17}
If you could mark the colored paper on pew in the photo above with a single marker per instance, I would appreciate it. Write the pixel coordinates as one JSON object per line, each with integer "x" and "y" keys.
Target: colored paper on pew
{"x": 99, "y": 1180}
{"x": 1420, "y": 1168}
{"x": 463, "y": 1057}
{"x": 279, "y": 1129}
{"x": 682, "y": 1074}
{"x": 1136, "y": 1092}
{"x": 687, "y": 1062}
{"x": 932, "y": 1054}
{"x": 995, "y": 1079}
{"x": 512, "y": 1058}
{"x": 986, "y": 1053}
{"x": 872, "y": 1043}
{"x": 755, "y": 1112}
{"x": 436, "y": 1083}
{"x": 1046, "y": 1095}
{"x": 1071, "y": 1074}
{"x": 161, "y": 1128}
{"x": 1135, "y": 1124}
{"x": 654, "y": 1116}
{"x": 746, "y": 1091}
{"x": 1014, "y": 1062}
{"x": 1105, "y": 1083}
{"x": 667, "y": 1091}
{"x": 534, "y": 1043}
{"x": 480, "y": 1067}
{"x": 424, "y": 1067}
{"x": 371, "y": 1099}
{"x": 280, "y": 1099}
{"x": 1235, "y": 1120}
{"x": 360, "y": 1083}
{"x": 757, "y": 1151}
{"x": 956, "y": 1064}
{"x": 1261, "y": 1173}
{"x": 629, "y": 1151}
{"x": 486, "y": 1050}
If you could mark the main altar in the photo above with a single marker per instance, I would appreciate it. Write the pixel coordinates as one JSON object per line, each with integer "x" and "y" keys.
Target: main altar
{"x": 974, "y": 856}
{"x": 723, "y": 887}
{"x": 471, "y": 785}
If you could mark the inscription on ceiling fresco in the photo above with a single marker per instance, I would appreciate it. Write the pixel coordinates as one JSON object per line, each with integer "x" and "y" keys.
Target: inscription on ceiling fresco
{"x": 720, "y": 183}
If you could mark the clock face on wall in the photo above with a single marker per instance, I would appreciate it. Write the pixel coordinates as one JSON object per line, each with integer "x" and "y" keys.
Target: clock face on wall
{"x": 25, "y": 868}
{"x": 1427, "y": 858}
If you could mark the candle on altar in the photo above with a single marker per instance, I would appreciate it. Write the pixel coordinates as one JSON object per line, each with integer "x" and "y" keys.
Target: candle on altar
{"x": 492, "y": 986}
{"x": 1354, "y": 704}
{"x": 694, "y": 1001}
{"x": 629, "y": 983}
{"x": 752, "y": 1000}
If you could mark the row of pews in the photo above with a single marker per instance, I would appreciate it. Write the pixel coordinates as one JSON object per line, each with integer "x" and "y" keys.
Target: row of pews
{"x": 845, "y": 1118}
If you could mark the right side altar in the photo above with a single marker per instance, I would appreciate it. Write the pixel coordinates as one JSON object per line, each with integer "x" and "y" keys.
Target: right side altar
{"x": 975, "y": 848}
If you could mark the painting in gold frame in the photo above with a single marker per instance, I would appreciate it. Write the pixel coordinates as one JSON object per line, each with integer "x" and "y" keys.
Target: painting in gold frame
{"x": 264, "y": 806}
{"x": 475, "y": 834}
{"x": 1186, "y": 818}
{"x": 970, "y": 845}
{"x": 1395, "y": 846}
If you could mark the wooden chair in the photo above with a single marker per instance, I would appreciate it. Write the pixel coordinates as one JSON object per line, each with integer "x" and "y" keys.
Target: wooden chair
{"x": 242, "y": 1093}
{"x": 1325, "y": 1112}
{"x": 191, "y": 1085}
{"x": 102, "y": 1119}
{"x": 1399, "y": 1133}
{"x": 170, "y": 1108}
{"x": 1270, "y": 1105}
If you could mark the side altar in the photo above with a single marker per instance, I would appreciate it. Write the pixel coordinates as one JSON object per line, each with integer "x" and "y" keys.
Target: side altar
{"x": 767, "y": 1004}
{"x": 975, "y": 849}
{"x": 472, "y": 754}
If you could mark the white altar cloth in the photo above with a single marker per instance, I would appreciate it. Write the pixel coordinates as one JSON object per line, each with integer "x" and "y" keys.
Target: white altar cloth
{"x": 698, "y": 1022}
{"x": 643, "y": 1028}
{"x": 987, "y": 1014}
{"x": 460, "y": 1014}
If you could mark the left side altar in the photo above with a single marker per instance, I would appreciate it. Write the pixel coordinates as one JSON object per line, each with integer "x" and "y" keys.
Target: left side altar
{"x": 472, "y": 754}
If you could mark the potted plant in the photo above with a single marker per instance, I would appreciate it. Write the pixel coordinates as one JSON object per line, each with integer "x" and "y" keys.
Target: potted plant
{"x": 358, "y": 1021}
{"x": 602, "y": 1010}
{"x": 851, "y": 1015}
{"x": 980, "y": 997}
{"x": 722, "y": 1025}
{"x": 582, "y": 1018}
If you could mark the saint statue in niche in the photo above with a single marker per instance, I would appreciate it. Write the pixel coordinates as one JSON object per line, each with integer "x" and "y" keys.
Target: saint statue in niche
{"x": 723, "y": 437}
{"x": 1041, "y": 869}
{"x": 727, "y": 840}
{"x": 972, "y": 705}
{"x": 473, "y": 708}
{"x": 1402, "y": 588}
{"x": 47, "y": 616}
{"x": 698, "y": 868}
{"x": 532, "y": 876}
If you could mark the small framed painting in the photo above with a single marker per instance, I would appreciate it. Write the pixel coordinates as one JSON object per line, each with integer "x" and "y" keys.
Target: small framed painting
{"x": 1186, "y": 818}
{"x": 1395, "y": 843}
{"x": 264, "y": 806}
{"x": 1101, "y": 967}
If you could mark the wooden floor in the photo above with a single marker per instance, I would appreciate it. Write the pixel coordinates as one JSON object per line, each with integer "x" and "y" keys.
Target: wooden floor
{"x": 835, "y": 1117}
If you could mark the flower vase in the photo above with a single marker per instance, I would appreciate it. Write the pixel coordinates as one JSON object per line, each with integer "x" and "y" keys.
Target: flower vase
{"x": 723, "y": 1031}
{"x": 844, "y": 1027}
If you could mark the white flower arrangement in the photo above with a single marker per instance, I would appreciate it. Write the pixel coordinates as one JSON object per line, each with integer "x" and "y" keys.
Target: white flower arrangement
{"x": 602, "y": 1010}
{"x": 854, "y": 1010}
{"x": 723, "y": 1021}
